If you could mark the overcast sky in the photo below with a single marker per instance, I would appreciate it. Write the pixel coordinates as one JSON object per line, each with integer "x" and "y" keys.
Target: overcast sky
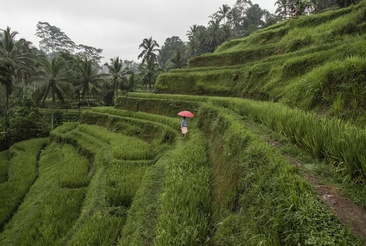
{"x": 116, "y": 26}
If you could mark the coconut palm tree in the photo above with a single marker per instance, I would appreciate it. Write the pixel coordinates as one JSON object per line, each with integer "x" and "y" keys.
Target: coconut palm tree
{"x": 223, "y": 13}
{"x": 150, "y": 73}
{"x": 213, "y": 35}
{"x": 177, "y": 60}
{"x": 14, "y": 61}
{"x": 54, "y": 78}
{"x": 117, "y": 73}
{"x": 235, "y": 19}
{"x": 90, "y": 80}
{"x": 149, "y": 48}
{"x": 282, "y": 8}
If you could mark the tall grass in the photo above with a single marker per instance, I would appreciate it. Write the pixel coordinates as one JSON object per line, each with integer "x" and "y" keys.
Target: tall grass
{"x": 122, "y": 147}
{"x": 74, "y": 168}
{"x": 4, "y": 166}
{"x": 323, "y": 137}
{"x": 22, "y": 172}
{"x": 123, "y": 181}
{"x": 142, "y": 220}
{"x": 101, "y": 228}
{"x": 48, "y": 211}
{"x": 185, "y": 209}
{"x": 161, "y": 121}
{"x": 258, "y": 197}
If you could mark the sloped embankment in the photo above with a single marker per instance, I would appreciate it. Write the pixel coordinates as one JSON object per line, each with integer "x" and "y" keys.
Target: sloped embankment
{"x": 124, "y": 176}
{"x": 258, "y": 197}
{"x": 312, "y": 62}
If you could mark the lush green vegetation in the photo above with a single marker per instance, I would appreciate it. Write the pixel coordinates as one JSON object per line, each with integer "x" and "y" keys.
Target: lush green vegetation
{"x": 21, "y": 170}
{"x": 312, "y": 62}
{"x": 123, "y": 175}
{"x": 229, "y": 188}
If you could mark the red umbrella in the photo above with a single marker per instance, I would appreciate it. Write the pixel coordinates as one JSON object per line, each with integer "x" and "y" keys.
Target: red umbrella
{"x": 186, "y": 114}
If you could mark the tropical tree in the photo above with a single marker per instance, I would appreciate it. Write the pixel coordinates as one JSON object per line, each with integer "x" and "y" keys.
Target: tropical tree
{"x": 150, "y": 73}
{"x": 55, "y": 82}
{"x": 299, "y": 7}
{"x": 197, "y": 43}
{"x": 235, "y": 19}
{"x": 282, "y": 8}
{"x": 14, "y": 62}
{"x": 192, "y": 31}
{"x": 117, "y": 73}
{"x": 25, "y": 69}
{"x": 177, "y": 60}
{"x": 254, "y": 19}
{"x": 149, "y": 50}
{"x": 90, "y": 80}
{"x": 169, "y": 49}
{"x": 214, "y": 36}
{"x": 53, "y": 41}
{"x": 222, "y": 14}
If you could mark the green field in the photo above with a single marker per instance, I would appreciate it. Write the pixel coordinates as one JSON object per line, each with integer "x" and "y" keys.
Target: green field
{"x": 273, "y": 112}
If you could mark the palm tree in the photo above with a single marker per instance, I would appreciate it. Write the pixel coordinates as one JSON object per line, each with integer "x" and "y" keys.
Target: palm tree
{"x": 90, "y": 80}
{"x": 282, "y": 8}
{"x": 149, "y": 48}
{"x": 177, "y": 60}
{"x": 192, "y": 31}
{"x": 13, "y": 59}
{"x": 54, "y": 77}
{"x": 223, "y": 13}
{"x": 7, "y": 52}
{"x": 235, "y": 18}
{"x": 150, "y": 73}
{"x": 116, "y": 72}
{"x": 25, "y": 69}
{"x": 213, "y": 35}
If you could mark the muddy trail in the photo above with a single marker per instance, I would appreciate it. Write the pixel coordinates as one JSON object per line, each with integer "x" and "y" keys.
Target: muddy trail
{"x": 347, "y": 211}
{"x": 351, "y": 214}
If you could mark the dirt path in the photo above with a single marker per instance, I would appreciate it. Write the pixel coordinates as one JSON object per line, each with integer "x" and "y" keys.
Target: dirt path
{"x": 348, "y": 212}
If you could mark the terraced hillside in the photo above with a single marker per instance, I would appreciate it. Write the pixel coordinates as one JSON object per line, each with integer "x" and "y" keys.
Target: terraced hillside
{"x": 250, "y": 172}
{"x": 125, "y": 176}
{"x": 312, "y": 62}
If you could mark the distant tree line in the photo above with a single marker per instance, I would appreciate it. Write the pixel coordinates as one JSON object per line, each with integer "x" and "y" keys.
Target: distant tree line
{"x": 59, "y": 75}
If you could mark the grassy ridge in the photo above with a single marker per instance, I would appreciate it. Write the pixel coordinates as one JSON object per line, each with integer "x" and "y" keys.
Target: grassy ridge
{"x": 45, "y": 204}
{"x": 21, "y": 173}
{"x": 185, "y": 209}
{"x": 93, "y": 174}
{"x": 306, "y": 62}
{"x": 140, "y": 228}
{"x": 258, "y": 197}
{"x": 4, "y": 166}
{"x": 338, "y": 141}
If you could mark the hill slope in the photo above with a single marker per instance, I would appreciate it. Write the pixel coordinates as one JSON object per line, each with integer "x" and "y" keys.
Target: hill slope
{"x": 312, "y": 62}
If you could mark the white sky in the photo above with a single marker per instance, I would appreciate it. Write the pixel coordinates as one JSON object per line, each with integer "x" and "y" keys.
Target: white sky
{"x": 116, "y": 26}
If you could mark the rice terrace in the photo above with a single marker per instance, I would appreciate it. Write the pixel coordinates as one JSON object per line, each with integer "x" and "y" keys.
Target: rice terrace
{"x": 275, "y": 153}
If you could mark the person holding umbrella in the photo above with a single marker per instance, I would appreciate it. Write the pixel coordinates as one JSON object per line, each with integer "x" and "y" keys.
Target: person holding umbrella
{"x": 184, "y": 123}
{"x": 183, "y": 126}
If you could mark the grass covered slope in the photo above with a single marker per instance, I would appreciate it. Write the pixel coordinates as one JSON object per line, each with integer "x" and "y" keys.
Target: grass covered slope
{"x": 124, "y": 176}
{"x": 312, "y": 62}
{"x": 80, "y": 188}
{"x": 257, "y": 196}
